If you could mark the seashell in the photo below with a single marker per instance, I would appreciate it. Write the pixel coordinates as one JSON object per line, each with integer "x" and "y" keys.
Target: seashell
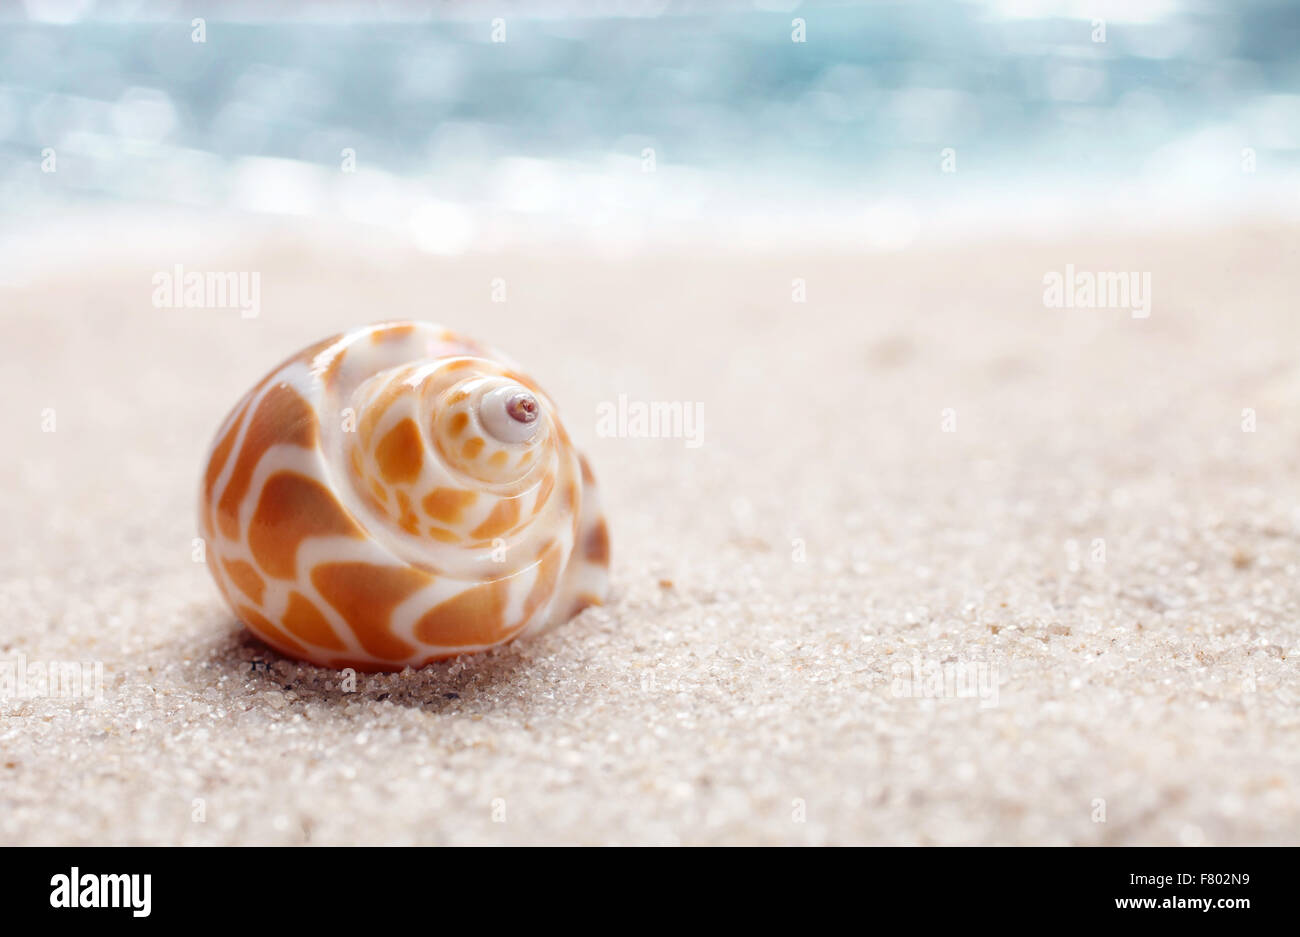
{"x": 398, "y": 494}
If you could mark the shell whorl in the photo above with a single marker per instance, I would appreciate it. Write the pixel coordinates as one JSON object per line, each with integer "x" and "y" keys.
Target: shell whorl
{"x": 398, "y": 494}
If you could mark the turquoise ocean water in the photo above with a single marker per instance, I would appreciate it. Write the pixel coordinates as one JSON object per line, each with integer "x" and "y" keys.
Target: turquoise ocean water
{"x": 886, "y": 120}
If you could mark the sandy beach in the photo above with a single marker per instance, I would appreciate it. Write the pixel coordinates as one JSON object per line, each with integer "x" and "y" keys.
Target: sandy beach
{"x": 947, "y": 565}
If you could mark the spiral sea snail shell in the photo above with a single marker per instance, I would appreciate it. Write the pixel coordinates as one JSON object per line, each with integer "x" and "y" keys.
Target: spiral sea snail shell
{"x": 399, "y": 494}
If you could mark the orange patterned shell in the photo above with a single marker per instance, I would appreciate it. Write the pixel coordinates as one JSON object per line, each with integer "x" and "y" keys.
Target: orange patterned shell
{"x": 368, "y": 504}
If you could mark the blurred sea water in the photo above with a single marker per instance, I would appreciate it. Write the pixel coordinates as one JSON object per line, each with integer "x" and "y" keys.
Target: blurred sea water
{"x": 890, "y": 122}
